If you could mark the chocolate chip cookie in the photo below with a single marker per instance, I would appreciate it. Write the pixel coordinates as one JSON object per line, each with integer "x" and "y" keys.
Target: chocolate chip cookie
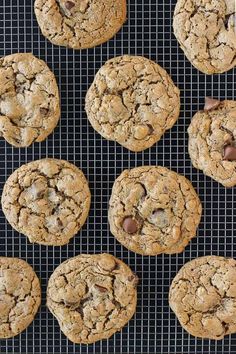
{"x": 92, "y": 297}
{"x": 47, "y": 200}
{"x": 80, "y": 24}
{"x": 133, "y": 101}
{"x": 206, "y": 31}
{"x": 20, "y": 296}
{"x": 203, "y": 297}
{"x": 153, "y": 210}
{"x": 212, "y": 146}
{"x": 29, "y": 100}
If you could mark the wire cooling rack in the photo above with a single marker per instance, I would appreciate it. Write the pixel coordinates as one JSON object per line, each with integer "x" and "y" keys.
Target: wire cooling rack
{"x": 148, "y": 32}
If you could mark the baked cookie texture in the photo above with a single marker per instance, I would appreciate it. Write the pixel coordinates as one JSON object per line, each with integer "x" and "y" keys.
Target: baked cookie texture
{"x": 206, "y": 31}
{"x": 20, "y": 296}
{"x": 47, "y": 200}
{"x": 203, "y": 297}
{"x": 29, "y": 99}
{"x": 92, "y": 297}
{"x": 210, "y": 133}
{"x": 133, "y": 101}
{"x": 153, "y": 210}
{"x": 80, "y": 24}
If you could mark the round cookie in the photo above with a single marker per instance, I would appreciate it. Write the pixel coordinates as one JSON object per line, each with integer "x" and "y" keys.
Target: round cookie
{"x": 80, "y": 24}
{"x": 92, "y": 297}
{"x": 206, "y": 32}
{"x": 20, "y": 296}
{"x": 133, "y": 101}
{"x": 153, "y": 210}
{"x": 203, "y": 297}
{"x": 29, "y": 100}
{"x": 212, "y": 135}
{"x": 47, "y": 200}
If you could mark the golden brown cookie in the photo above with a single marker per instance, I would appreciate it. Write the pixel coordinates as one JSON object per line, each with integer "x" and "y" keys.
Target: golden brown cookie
{"x": 92, "y": 297}
{"x": 20, "y": 296}
{"x": 212, "y": 146}
{"x": 153, "y": 210}
{"x": 80, "y": 24}
{"x": 203, "y": 297}
{"x": 133, "y": 101}
{"x": 29, "y": 99}
{"x": 206, "y": 31}
{"x": 47, "y": 200}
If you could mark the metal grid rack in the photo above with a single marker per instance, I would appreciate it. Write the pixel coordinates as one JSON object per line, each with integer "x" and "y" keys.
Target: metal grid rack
{"x": 147, "y": 32}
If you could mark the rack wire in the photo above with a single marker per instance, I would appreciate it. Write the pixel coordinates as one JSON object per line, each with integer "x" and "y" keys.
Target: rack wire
{"x": 148, "y": 32}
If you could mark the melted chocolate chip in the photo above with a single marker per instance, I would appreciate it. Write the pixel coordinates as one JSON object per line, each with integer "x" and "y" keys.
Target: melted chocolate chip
{"x": 230, "y": 153}
{"x": 40, "y": 194}
{"x": 211, "y": 103}
{"x": 44, "y": 111}
{"x": 158, "y": 212}
{"x": 69, "y": 5}
{"x": 100, "y": 288}
{"x": 130, "y": 225}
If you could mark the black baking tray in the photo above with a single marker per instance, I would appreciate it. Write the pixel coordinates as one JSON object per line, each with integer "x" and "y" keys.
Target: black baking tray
{"x": 148, "y": 32}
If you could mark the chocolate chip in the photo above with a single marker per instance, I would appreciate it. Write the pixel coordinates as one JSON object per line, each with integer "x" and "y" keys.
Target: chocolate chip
{"x": 143, "y": 197}
{"x": 158, "y": 212}
{"x": 18, "y": 89}
{"x": 69, "y": 5}
{"x": 59, "y": 222}
{"x": 44, "y": 111}
{"x": 229, "y": 153}
{"x": 101, "y": 288}
{"x": 130, "y": 225}
{"x": 211, "y": 103}
{"x": 151, "y": 129}
{"x": 40, "y": 194}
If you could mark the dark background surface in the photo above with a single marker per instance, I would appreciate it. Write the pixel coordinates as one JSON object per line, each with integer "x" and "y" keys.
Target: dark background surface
{"x": 147, "y": 32}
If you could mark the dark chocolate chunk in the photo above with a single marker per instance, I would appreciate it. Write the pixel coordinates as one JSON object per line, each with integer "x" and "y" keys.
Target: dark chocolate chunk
{"x": 211, "y": 103}
{"x": 101, "y": 288}
{"x": 230, "y": 153}
{"x": 44, "y": 111}
{"x": 69, "y": 5}
{"x": 130, "y": 225}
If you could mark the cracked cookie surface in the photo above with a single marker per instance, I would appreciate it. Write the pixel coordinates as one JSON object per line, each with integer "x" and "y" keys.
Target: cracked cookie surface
{"x": 80, "y": 24}
{"x": 47, "y": 200}
{"x": 29, "y": 99}
{"x": 20, "y": 296}
{"x": 153, "y": 210}
{"x": 92, "y": 297}
{"x": 206, "y": 31}
{"x": 133, "y": 101}
{"x": 209, "y": 133}
{"x": 203, "y": 297}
